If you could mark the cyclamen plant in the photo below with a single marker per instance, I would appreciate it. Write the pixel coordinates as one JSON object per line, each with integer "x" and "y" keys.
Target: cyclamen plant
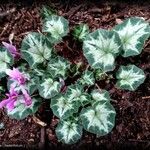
{"x": 80, "y": 105}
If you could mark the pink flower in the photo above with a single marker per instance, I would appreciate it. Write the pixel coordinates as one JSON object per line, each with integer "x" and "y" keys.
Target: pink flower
{"x": 15, "y": 74}
{"x": 27, "y": 98}
{"x": 12, "y": 49}
{"x": 9, "y": 102}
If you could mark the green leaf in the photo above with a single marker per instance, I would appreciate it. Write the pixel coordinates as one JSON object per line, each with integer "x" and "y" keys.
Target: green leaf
{"x": 58, "y": 67}
{"x": 130, "y": 77}
{"x": 21, "y": 111}
{"x": 5, "y": 61}
{"x": 99, "y": 119}
{"x": 57, "y": 27}
{"x": 75, "y": 93}
{"x": 98, "y": 96}
{"x": 100, "y": 49}
{"x": 36, "y": 49}
{"x": 133, "y": 33}
{"x": 49, "y": 88}
{"x": 81, "y": 31}
{"x": 87, "y": 78}
{"x": 68, "y": 131}
{"x": 47, "y": 12}
{"x": 62, "y": 107}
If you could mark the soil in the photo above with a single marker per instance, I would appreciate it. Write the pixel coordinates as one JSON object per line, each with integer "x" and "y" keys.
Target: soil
{"x": 132, "y": 127}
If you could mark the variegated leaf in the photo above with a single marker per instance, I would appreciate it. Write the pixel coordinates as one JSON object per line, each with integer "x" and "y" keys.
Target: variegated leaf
{"x": 81, "y": 31}
{"x": 62, "y": 107}
{"x": 58, "y": 67}
{"x": 57, "y": 27}
{"x": 21, "y": 111}
{"x": 74, "y": 91}
{"x": 49, "y": 88}
{"x": 47, "y": 12}
{"x": 100, "y": 48}
{"x": 98, "y": 95}
{"x": 36, "y": 49}
{"x": 133, "y": 33}
{"x": 68, "y": 131}
{"x": 87, "y": 78}
{"x": 99, "y": 119}
{"x": 5, "y": 61}
{"x": 130, "y": 77}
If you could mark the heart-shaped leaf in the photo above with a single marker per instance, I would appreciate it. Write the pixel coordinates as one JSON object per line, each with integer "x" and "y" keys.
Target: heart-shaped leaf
{"x": 49, "y": 88}
{"x": 68, "y": 131}
{"x": 98, "y": 119}
{"x": 21, "y": 111}
{"x": 133, "y": 33}
{"x": 57, "y": 27}
{"x": 62, "y": 107}
{"x": 5, "y": 61}
{"x": 36, "y": 49}
{"x": 87, "y": 79}
{"x": 98, "y": 95}
{"x": 75, "y": 93}
{"x": 100, "y": 48}
{"x": 58, "y": 67}
{"x": 80, "y": 32}
{"x": 130, "y": 77}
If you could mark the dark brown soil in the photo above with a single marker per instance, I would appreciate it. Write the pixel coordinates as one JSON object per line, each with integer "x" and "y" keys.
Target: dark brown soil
{"x": 133, "y": 108}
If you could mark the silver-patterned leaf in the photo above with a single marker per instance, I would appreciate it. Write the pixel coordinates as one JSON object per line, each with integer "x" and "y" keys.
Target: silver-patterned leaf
{"x": 58, "y": 67}
{"x": 74, "y": 91}
{"x": 133, "y": 33}
{"x": 100, "y": 48}
{"x": 5, "y": 61}
{"x": 36, "y": 49}
{"x": 98, "y": 119}
{"x": 49, "y": 88}
{"x": 57, "y": 27}
{"x": 21, "y": 111}
{"x": 68, "y": 131}
{"x": 62, "y": 107}
{"x": 81, "y": 31}
{"x": 87, "y": 78}
{"x": 98, "y": 95}
{"x": 130, "y": 77}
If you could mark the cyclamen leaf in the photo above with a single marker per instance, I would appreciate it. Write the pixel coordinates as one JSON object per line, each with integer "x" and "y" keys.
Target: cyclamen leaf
{"x": 57, "y": 27}
{"x": 49, "y": 88}
{"x": 21, "y": 111}
{"x": 133, "y": 33}
{"x": 74, "y": 91}
{"x": 58, "y": 67}
{"x": 100, "y": 49}
{"x": 130, "y": 77}
{"x": 36, "y": 49}
{"x": 87, "y": 78}
{"x": 68, "y": 131}
{"x": 81, "y": 31}
{"x": 63, "y": 108}
{"x": 99, "y": 119}
{"x": 98, "y": 95}
{"x": 5, "y": 60}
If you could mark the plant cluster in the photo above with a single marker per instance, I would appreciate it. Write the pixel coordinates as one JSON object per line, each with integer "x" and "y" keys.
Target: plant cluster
{"x": 37, "y": 73}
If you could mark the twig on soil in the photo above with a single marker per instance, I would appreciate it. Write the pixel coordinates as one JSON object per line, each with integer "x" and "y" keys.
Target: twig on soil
{"x": 42, "y": 140}
{"x": 73, "y": 11}
{"x": 38, "y": 121}
{"x": 8, "y": 12}
{"x": 146, "y": 97}
{"x": 4, "y": 29}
